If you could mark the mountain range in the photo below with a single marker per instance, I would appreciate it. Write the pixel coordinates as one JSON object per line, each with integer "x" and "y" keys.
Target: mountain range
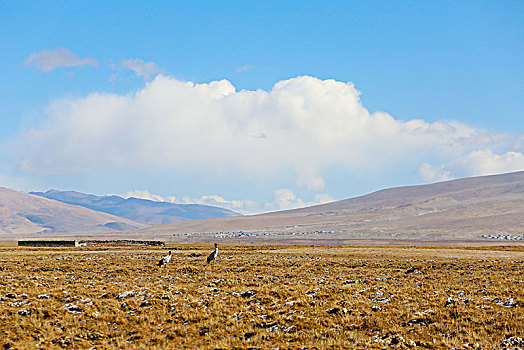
{"x": 141, "y": 210}
{"x": 67, "y": 212}
{"x": 477, "y": 209}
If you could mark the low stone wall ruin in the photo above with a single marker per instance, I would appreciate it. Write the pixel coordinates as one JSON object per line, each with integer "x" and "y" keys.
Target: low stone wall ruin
{"x": 81, "y": 243}
{"x": 50, "y": 243}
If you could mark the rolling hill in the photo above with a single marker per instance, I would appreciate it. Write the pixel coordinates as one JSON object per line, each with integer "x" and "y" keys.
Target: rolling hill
{"x": 463, "y": 209}
{"x": 136, "y": 209}
{"x": 23, "y": 214}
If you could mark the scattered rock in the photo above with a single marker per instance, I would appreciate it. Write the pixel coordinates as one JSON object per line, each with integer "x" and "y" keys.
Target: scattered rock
{"x": 125, "y": 294}
{"x": 290, "y": 329}
{"x": 24, "y": 312}
{"x": 265, "y": 325}
{"x": 18, "y": 303}
{"x": 513, "y": 341}
{"x": 333, "y": 310}
{"x": 74, "y": 309}
{"x": 43, "y": 296}
{"x": 248, "y": 335}
{"x": 450, "y": 301}
{"x": 375, "y": 308}
{"x": 510, "y": 302}
{"x": 397, "y": 340}
{"x": 380, "y": 300}
{"x": 272, "y": 329}
{"x": 417, "y": 322}
{"x": 247, "y": 294}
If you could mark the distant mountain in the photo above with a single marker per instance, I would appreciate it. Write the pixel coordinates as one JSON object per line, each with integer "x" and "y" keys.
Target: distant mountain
{"x": 136, "y": 209}
{"x": 25, "y": 214}
{"x": 477, "y": 208}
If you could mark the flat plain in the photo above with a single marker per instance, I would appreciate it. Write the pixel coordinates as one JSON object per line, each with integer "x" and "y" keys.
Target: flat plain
{"x": 262, "y": 297}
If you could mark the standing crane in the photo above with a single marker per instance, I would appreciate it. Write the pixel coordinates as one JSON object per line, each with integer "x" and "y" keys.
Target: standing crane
{"x": 213, "y": 255}
{"x": 165, "y": 260}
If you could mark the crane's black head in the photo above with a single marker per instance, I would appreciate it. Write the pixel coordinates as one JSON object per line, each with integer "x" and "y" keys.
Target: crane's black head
{"x": 216, "y": 245}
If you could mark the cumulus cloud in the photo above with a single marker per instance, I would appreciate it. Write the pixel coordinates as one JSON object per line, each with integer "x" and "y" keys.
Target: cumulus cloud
{"x": 483, "y": 162}
{"x": 145, "y": 194}
{"x": 302, "y": 128}
{"x": 282, "y": 199}
{"x": 47, "y": 60}
{"x": 146, "y": 70}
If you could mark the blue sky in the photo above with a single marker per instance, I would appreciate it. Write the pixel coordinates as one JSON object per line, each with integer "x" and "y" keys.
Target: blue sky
{"x": 258, "y": 106}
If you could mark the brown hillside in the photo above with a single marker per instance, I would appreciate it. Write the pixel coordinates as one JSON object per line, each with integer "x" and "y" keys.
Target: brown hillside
{"x": 23, "y": 214}
{"x": 463, "y": 209}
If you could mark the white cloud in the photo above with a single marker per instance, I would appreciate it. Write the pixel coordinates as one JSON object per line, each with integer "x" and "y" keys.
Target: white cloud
{"x": 145, "y": 194}
{"x": 486, "y": 162}
{"x": 310, "y": 182}
{"x": 244, "y": 68}
{"x": 243, "y": 206}
{"x": 483, "y": 162}
{"x": 286, "y": 199}
{"x": 302, "y": 126}
{"x": 430, "y": 173}
{"x": 146, "y": 70}
{"x": 47, "y": 60}
{"x": 282, "y": 199}
{"x": 518, "y": 145}
{"x": 322, "y": 198}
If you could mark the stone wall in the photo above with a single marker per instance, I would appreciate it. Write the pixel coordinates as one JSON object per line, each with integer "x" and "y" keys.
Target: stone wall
{"x": 82, "y": 243}
{"x": 50, "y": 243}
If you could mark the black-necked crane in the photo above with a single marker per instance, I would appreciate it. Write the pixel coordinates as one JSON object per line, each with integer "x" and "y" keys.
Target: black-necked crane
{"x": 165, "y": 260}
{"x": 213, "y": 255}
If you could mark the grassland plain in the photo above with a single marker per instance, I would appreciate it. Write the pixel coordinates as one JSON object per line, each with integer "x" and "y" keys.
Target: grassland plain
{"x": 262, "y": 297}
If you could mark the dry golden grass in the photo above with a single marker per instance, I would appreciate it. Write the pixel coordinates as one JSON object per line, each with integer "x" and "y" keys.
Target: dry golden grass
{"x": 263, "y": 297}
